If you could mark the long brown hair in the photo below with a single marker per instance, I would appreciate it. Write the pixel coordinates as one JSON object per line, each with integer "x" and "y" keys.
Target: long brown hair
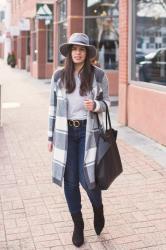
{"x": 86, "y": 74}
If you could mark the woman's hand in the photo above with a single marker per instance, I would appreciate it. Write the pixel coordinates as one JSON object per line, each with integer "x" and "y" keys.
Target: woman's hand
{"x": 50, "y": 146}
{"x": 89, "y": 104}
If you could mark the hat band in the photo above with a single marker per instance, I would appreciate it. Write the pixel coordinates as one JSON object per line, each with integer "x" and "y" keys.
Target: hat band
{"x": 80, "y": 42}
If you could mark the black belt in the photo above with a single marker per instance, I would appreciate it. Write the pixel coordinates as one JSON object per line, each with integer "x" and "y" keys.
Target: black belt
{"x": 76, "y": 123}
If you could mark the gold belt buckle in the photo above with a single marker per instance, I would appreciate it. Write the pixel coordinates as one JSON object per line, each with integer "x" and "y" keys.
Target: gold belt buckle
{"x": 70, "y": 123}
{"x": 76, "y": 124}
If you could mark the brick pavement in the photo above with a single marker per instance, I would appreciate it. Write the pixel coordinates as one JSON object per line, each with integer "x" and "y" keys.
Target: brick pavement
{"x": 33, "y": 211}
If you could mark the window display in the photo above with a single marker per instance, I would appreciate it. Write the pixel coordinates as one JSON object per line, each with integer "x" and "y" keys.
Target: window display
{"x": 101, "y": 25}
{"x": 149, "y": 46}
{"x": 50, "y": 42}
{"x": 62, "y": 27}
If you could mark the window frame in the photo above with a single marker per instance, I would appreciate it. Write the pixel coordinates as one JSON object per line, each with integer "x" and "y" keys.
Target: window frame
{"x": 131, "y": 51}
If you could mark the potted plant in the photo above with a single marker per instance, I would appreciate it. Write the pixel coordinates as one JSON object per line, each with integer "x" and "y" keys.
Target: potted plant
{"x": 12, "y": 60}
{"x": 8, "y": 58}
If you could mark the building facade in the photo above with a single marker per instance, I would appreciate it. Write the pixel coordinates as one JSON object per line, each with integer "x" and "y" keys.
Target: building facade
{"x": 37, "y": 29}
{"x": 142, "y": 77}
{"x": 130, "y": 38}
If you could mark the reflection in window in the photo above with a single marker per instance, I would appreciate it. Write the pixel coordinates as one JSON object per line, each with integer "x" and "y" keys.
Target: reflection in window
{"x": 101, "y": 25}
{"x": 62, "y": 31}
{"x": 62, "y": 27}
{"x": 62, "y": 10}
{"x": 150, "y": 48}
{"x": 28, "y": 47}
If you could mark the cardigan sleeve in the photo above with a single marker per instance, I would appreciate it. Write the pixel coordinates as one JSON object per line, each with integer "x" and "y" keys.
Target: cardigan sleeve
{"x": 52, "y": 109}
{"x": 103, "y": 95}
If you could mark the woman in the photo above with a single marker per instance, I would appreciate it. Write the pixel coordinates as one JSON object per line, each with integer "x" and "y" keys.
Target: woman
{"x": 75, "y": 93}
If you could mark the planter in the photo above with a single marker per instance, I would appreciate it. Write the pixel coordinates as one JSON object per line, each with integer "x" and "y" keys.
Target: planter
{"x": 11, "y": 60}
{"x": 12, "y": 65}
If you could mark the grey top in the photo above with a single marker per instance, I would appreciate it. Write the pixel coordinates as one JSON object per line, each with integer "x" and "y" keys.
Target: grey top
{"x": 76, "y": 109}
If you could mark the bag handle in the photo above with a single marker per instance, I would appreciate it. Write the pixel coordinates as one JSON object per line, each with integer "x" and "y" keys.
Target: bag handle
{"x": 99, "y": 124}
{"x": 108, "y": 119}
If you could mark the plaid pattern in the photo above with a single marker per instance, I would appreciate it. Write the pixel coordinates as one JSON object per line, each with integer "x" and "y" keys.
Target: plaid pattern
{"x": 58, "y": 128}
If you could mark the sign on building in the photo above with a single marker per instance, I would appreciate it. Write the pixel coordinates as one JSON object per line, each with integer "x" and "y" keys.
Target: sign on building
{"x": 14, "y": 31}
{"x": 44, "y": 11}
{"x": 92, "y": 2}
{"x": 24, "y": 24}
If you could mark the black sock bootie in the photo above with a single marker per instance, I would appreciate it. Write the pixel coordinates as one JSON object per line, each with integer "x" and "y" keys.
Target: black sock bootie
{"x": 99, "y": 220}
{"x": 78, "y": 233}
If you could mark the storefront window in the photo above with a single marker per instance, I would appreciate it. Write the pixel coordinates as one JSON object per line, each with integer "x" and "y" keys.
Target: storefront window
{"x": 149, "y": 32}
{"x": 50, "y": 42}
{"x": 28, "y": 43}
{"x": 101, "y": 25}
{"x": 62, "y": 27}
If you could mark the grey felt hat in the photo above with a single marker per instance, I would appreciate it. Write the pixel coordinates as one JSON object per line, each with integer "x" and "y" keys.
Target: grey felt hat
{"x": 78, "y": 39}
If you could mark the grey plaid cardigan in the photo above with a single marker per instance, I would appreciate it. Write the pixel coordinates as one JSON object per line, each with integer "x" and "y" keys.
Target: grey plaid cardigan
{"x": 58, "y": 128}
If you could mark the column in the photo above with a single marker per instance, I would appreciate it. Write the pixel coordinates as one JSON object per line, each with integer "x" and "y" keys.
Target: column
{"x": 75, "y": 16}
{"x": 123, "y": 61}
{"x": 41, "y": 48}
{"x": 21, "y": 49}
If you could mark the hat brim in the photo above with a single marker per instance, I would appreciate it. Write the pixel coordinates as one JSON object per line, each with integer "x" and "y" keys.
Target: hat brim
{"x": 64, "y": 49}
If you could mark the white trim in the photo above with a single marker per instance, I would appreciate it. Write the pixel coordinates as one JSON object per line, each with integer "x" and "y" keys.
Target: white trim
{"x": 129, "y": 39}
{"x": 149, "y": 85}
{"x": 97, "y": 106}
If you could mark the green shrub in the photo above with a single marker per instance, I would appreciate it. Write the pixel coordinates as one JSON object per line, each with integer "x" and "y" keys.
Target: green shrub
{"x": 8, "y": 58}
{"x": 12, "y": 60}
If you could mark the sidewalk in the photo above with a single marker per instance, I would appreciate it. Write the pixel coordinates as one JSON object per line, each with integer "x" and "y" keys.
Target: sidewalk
{"x": 33, "y": 211}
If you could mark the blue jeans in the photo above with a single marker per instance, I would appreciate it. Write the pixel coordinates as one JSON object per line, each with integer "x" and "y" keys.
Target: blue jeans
{"x": 74, "y": 173}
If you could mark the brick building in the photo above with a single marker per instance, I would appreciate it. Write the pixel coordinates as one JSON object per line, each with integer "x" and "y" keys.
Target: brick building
{"x": 142, "y": 98}
{"x": 131, "y": 43}
{"x": 2, "y": 17}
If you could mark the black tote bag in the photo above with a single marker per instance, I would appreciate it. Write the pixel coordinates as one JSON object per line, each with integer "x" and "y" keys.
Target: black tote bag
{"x": 108, "y": 163}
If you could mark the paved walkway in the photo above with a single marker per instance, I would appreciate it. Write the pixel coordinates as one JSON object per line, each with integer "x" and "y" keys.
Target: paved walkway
{"x": 33, "y": 211}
